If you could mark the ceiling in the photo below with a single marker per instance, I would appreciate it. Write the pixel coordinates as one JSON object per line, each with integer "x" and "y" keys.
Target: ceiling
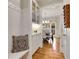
{"x": 46, "y": 2}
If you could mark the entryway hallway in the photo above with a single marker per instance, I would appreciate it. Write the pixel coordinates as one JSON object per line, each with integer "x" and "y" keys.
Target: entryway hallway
{"x": 49, "y": 51}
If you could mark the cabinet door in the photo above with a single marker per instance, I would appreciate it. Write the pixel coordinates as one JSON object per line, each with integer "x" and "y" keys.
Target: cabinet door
{"x": 38, "y": 16}
{"x": 33, "y": 17}
{"x": 33, "y": 12}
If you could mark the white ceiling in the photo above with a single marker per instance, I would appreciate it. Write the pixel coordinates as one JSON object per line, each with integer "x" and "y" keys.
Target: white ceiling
{"x": 51, "y": 10}
{"x": 46, "y": 2}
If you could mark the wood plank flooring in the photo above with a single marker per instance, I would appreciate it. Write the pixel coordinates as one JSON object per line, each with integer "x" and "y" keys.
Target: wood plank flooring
{"x": 47, "y": 52}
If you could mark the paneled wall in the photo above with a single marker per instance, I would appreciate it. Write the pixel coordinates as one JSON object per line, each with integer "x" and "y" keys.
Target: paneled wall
{"x": 14, "y": 19}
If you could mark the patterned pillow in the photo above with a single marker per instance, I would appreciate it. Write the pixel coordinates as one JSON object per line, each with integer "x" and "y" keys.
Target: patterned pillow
{"x": 20, "y": 43}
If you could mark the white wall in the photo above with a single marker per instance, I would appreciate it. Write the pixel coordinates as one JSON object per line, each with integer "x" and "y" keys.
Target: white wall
{"x": 67, "y": 56}
{"x": 13, "y": 22}
{"x": 66, "y": 2}
{"x": 57, "y": 30}
{"x": 19, "y": 20}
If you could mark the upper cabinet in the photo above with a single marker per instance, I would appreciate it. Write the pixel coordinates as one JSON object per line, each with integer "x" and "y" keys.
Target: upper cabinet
{"x": 35, "y": 13}
{"x": 67, "y": 15}
{"x": 38, "y": 15}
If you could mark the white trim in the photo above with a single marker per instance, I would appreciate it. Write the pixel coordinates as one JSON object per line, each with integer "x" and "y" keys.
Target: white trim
{"x": 11, "y": 5}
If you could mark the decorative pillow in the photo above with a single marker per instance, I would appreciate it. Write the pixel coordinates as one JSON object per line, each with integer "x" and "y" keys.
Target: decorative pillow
{"x": 20, "y": 43}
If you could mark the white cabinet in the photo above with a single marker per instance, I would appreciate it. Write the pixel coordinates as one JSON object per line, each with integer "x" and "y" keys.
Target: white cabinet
{"x": 36, "y": 42}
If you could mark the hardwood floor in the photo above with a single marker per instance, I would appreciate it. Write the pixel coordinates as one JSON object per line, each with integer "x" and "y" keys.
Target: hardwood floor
{"x": 48, "y": 51}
